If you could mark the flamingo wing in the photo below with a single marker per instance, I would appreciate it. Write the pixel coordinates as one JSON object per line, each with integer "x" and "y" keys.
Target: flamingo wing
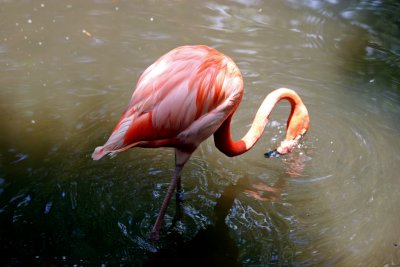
{"x": 179, "y": 100}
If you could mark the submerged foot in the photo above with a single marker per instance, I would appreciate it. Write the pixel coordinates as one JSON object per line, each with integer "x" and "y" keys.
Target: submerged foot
{"x": 180, "y": 195}
{"x": 154, "y": 236}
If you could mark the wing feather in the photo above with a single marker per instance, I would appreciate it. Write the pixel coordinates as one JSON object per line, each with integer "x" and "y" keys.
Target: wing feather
{"x": 180, "y": 88}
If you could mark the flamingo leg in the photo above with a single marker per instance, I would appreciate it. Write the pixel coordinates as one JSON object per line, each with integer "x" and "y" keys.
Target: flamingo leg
{"x": 179, "y": 190}
{"x": 181, "y": 157}
{"x": 154, "y": 234}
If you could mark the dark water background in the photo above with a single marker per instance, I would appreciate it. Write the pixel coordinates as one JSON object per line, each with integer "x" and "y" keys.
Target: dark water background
{"x": 68, "y": 69}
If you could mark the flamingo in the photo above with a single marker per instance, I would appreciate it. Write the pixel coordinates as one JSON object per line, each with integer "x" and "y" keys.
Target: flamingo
{"x": 184, "y": 97}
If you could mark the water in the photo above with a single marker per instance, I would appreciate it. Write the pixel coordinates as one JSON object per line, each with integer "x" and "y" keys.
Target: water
{"x": 68, "y": 69}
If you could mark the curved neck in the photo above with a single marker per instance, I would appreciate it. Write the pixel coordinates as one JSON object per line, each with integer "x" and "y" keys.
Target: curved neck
{"x": 222, "y": 137}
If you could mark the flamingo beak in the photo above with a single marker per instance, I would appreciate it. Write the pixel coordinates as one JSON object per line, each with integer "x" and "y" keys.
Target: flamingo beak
{"x": 285, "y": 147}
{"x": 272, "y": 154}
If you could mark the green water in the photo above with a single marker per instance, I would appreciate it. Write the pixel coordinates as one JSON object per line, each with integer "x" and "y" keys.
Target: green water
{"x": 68, "y": 69}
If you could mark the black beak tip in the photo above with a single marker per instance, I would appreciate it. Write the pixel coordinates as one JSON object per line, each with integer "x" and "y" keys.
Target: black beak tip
{"x": 272, "y": 154}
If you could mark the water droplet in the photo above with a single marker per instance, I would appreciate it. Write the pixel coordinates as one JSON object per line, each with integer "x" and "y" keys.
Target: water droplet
{"x": 24, "y": 202}
{"x": 123, "y": 228}
{"x": 29, "y": 21}
{"x": 47, "y": 208}
{"x": 151, "y": 19}
{"x": 74, "y": 194}
{"x": 20, "y": 157}
{"x": 352, "y": 237}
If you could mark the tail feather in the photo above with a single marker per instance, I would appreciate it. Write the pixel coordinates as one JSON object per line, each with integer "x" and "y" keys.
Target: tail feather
{"x": 99, "y": 152}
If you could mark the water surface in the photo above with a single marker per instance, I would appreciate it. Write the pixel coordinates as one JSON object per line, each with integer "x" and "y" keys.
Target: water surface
{"x": 68, "y": 69}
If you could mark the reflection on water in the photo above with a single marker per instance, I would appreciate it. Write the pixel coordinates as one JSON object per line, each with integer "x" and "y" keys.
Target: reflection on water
{"x": 67, "y": 70}
{"x": 213, "y": 245}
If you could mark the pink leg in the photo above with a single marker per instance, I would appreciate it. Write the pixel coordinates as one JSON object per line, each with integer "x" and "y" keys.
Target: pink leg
{"x": 179, "y": 190}
{"x": 156, "y": 228}
{"x": 180, "y": 160}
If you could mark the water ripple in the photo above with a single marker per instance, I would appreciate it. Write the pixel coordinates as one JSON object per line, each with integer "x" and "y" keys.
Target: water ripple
{"x": 311, "y": 179}
{"x": 155, "y": 36}
{"x": 87, "y": 92}
{"x": 85, "y": 59}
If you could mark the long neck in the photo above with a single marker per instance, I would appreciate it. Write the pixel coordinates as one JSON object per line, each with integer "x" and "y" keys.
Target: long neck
{"x": 222, "y": 137}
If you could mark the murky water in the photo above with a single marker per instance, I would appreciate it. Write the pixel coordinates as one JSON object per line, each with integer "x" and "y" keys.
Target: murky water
{"x": 67, "y": 70}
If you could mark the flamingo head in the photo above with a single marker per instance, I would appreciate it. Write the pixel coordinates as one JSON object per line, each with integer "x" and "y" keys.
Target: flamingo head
{"x": 298, "y": 124}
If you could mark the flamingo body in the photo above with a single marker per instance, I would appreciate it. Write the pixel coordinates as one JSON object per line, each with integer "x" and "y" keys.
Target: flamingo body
{"x": 179, "y": 101}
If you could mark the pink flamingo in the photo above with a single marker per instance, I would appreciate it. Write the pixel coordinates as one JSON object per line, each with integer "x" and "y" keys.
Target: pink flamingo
{"x": 186, "y": 96}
